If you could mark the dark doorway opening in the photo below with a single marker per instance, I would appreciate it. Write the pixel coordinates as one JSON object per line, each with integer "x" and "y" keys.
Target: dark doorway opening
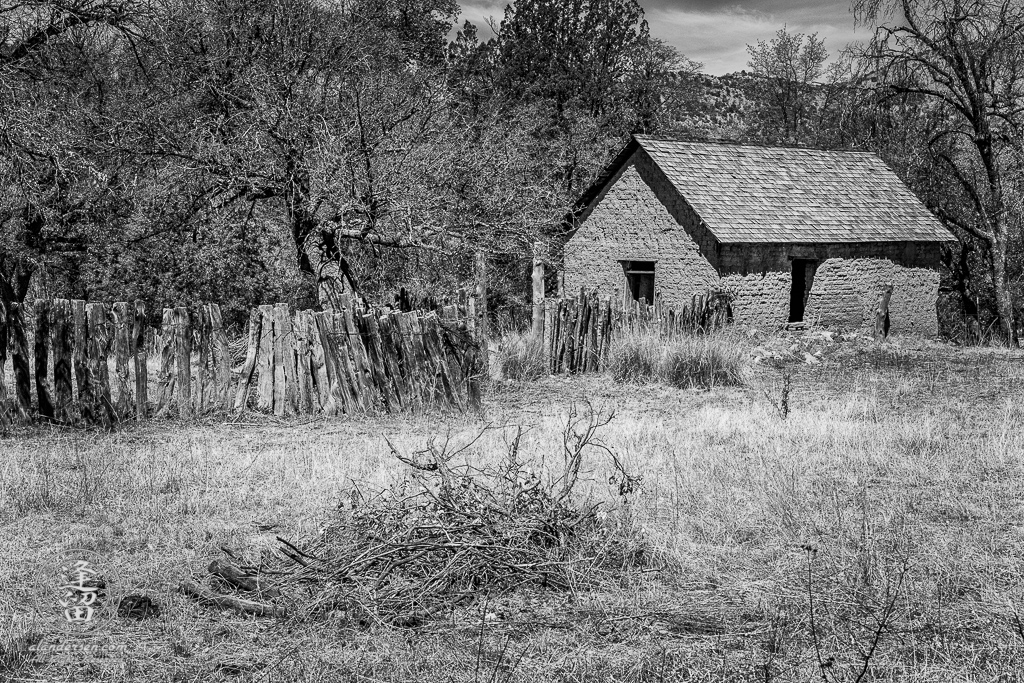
{"x": 803, "y": 278}
{"x": 640, "y": 279}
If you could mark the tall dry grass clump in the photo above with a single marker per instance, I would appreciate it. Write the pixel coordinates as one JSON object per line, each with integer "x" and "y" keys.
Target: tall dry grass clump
{"x": 704, "y": 361}
{"x": 521, "y": 357}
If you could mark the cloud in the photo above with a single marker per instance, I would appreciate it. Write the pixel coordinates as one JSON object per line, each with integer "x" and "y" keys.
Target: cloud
{"x": 717, "y": 32}
{"x": 479, "y": 13}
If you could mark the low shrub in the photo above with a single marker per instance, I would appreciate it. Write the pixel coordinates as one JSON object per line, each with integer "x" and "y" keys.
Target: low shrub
{"x": 519, "y": 356}
{"x": 689, "y": 361}
{"x": 635, "y": 357}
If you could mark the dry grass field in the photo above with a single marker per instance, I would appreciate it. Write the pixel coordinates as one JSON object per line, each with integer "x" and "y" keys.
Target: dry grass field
{"x": 874, "y": 533}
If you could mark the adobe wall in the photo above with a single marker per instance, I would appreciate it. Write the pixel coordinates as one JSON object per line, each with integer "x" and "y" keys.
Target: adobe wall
{"x": 639, "y": 217}
{"x": 845, "y": 286}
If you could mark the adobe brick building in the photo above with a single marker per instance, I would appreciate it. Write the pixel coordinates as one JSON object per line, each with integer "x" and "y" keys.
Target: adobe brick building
{"x": 794, "y": 234}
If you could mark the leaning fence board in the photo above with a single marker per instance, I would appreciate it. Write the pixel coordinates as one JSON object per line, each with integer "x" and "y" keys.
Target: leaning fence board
{"x": 249, "y": 364}
{"x": 321, "y": 394}
{"x": 338, "y": 401}
{"x": 392, "y": 358}
{"x": 375, "y": 353}
{"x": 350, "y": 339}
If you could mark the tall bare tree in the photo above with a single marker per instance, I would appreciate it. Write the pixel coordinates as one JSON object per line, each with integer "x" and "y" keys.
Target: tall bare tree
{"x": 789, "y": 66}
{"x": 965, "y": 60}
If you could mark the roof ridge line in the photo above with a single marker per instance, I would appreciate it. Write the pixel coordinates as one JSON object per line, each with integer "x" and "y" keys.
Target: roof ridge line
{"x": 725, "y": 142}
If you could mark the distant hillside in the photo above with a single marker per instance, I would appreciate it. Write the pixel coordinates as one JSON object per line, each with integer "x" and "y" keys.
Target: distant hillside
{"x": 717, "y": 106}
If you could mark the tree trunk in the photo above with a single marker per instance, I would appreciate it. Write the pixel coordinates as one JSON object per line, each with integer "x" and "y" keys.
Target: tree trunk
{"x": 1004, "y": 302}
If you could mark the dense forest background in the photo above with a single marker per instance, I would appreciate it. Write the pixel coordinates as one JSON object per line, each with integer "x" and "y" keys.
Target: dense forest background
{"x": 250, "y": 151}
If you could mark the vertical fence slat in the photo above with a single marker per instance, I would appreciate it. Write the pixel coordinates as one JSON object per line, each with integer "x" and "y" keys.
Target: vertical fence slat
{"x": 265, "y": 361}
{"x": 388, "y": 329}
{"x": 307, "y": 398}
{"x": 140, "y": 359}
{"x": 411, "y": 378}
{"x": 348, "y": 378}
{"x": 321, "y": 390}
{"x": 221, "y": 360}
{"x": 252, "y": 348}
{"x": 20, "y": 362}
{"x": 291, "y": 384}
{"x": 60, "y": 341}
{"x": 99, "y": 374}
{"x": 339, "y": 400}
{"x": 123, "y": 316}
{"x": 81, "y": 360}
{"x": 279, "y": 364}
{"x": 5, "y": 417}
{"x": 183, "y": 361}
{"x": 203, "y": 380}
{"x": 165, "y": 375}
{"x": 44, "y": 397}
{"x": 361, "y": 361}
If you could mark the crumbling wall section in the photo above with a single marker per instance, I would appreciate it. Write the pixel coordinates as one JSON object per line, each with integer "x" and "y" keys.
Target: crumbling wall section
{"x": 845, "y": 287}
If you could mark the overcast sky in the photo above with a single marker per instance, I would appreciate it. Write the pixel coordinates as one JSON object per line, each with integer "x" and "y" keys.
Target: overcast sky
{"x": 716, "y": 32}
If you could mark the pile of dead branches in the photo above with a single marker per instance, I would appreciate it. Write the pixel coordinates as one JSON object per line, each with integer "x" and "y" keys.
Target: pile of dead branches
{"x": 450, "y": 534}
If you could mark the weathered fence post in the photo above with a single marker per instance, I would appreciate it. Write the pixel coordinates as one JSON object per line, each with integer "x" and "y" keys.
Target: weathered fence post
{"x": 882, "y": 312}
{"x": 60, "y": 339}
{"x": 139, "y": 356}
{"x": 42, "y": 347}
{"x": 265, "y": 362}
{"x": 537, "y": 330}
{"x": 20, "y": 361}
{"x": 165, "y": 376}
{"x": 81, "y": 360}
{"x": 284, "y": 362}
{"x": 123, "y": 329}
{"x": 249, "y": 366}
{"x": 4, "y": 416}
{"x": 221, "y": 360}
{"x": 183, "y": 360}
{"x": 99, "y": 373}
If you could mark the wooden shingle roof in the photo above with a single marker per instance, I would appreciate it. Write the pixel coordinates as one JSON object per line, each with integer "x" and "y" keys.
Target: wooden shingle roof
{"x": 747, "y": 193}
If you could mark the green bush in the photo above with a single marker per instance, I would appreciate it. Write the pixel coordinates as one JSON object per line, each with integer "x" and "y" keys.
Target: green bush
{"x": 690, "y": 361}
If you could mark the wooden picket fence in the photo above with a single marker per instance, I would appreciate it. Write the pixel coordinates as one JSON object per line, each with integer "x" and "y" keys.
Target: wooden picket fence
{"x": 578, "y": 332}
{"x": 91, "y": 362}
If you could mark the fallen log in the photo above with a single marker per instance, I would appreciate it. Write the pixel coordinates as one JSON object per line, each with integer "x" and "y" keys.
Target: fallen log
{"x": 235, "y": 577}
{"x": 204, "y": 596}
